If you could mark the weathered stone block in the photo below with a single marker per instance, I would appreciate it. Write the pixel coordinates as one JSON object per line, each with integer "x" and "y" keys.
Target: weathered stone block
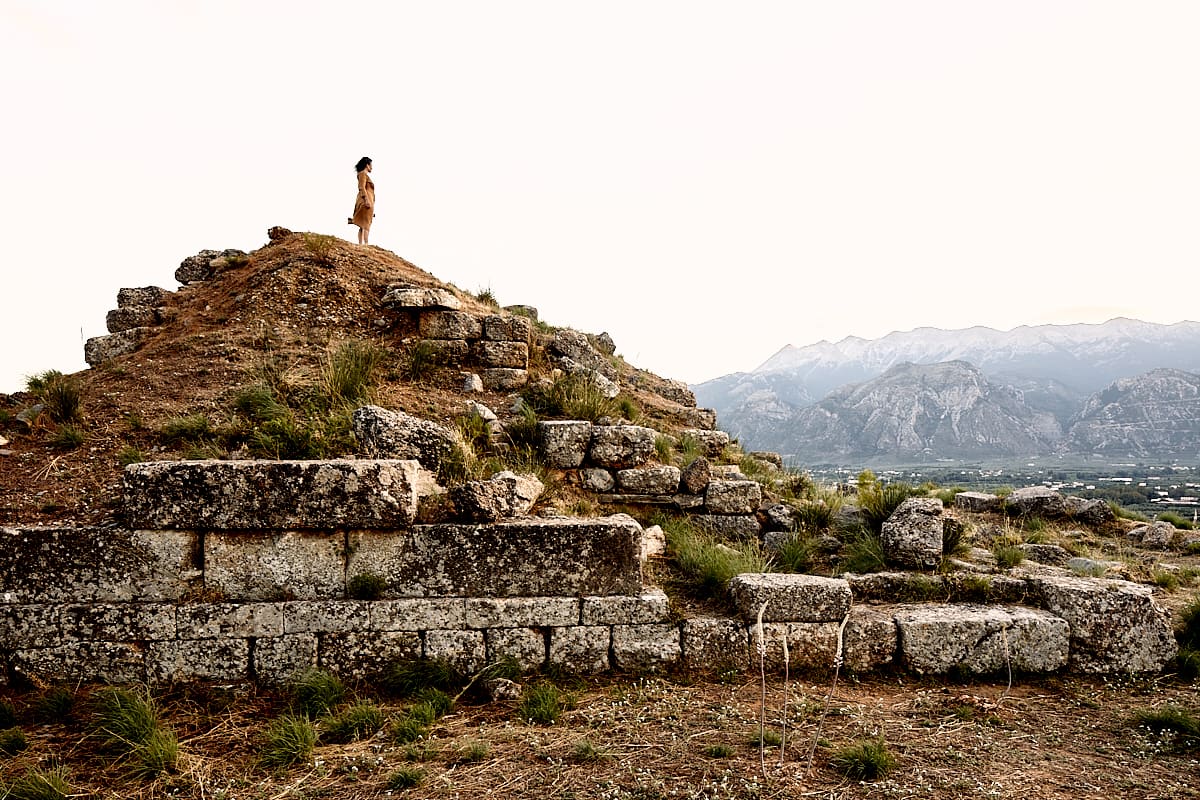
{"x": 510, "y": 355}
{"x": 447, "y": 352}
{"x": 28, "y": 626}
{"x": 278, "y": 658}
{"x": 1159, "y": 535}
{"x": 326, "y": 616}
{"x": 122, "y": 319}
{"x": 404, "y": 298}
{"x": 419, "y": 614}
{"x": 99, "y": 349}
{"x": 621, "y": 446}
{"x": 503, "y": 495}
{"x": 225, "y": 620}
{"x": 977, "y": 502}
{"x": 580, "y": 649}
{"x": 503, "y": 379}
{"x": 521, "y": 612}
{"x": 288, "y": 495}
{"x": 790, "y": 597}
{"x": 642, "y": 609}
{"x": 897, "y": 587}
{"x": 729, "y": 526}
{"x": 198, "y": 659}
{"x": 118, "y": 622}
{"x": 645, "y": 648}
{"x": 93, "y": 662}
{"x": 713, "y": 644}
{"x": 362, "y": 654}
{"x": 282, "y": 566}
{"x": 912, "y": 535}
{"x": 383, "y": 433}
{"x": 80, "y": 565}
{"x": 463, "y": 650}
{"x": 695, "y": 476}
{"x": 449, "y": 325}
{"x": 712, "y": 443}
{"x": 649, "y": 480}
{"x": 870, "y": 639}
{"x": 507, "y": 329}
{"x": 811, "y": 645}
{"x": 563, "y": 444}
{"x": 527, "y": 646}
{"x": 1115, "y": 625}
{"x": 1046, "y": 554}
{"x": 732, "y": 497}
{"x": 150, "y": 296}
{"x": 1089, "y": 511}
{"x": 531, "y": 557}
{"x": 702, "y": 418}
{"x": 1037, "y": 501}
{"x": 935, "y": 639}
{"x": 597, "y": 480}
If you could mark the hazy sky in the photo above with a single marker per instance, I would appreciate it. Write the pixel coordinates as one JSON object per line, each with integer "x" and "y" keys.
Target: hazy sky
{"x": 705, "y": 181}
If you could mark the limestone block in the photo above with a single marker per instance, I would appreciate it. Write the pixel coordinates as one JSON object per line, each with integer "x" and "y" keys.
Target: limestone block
{"x": 912, "y": 535}
{"x": 1158, "y": 535}
{"x": 580, "y": 649}
{"x": 714, "y": 644}
{"x": 1090, "y": 512}
{"x": 92, "y": 662}
{"x": 621, "y": 446}
{"x": 531, "y": 557}
{"x": 695, "y": 476}
{"x": 1046, "y": 554}
{"x": 145, "y": 296}
{"x": 326, "y": 616}
{"x": 790, "y": 597}
{"x": 123, "y": 319}
{"x": 935, "y": 639}
{"x": 404, "y": 298}
{"x": 712, "y": 443}
{"x": 779, "y": 518}
{"x": 503, "y": 495}
{"x": 977, "y": 502}
{"x": 870, "y": 640}
{"x": 654, "y": 542}
{"x": 198, "y": 267}
{"x": 1036, "y": 501}
{"x": 463, "y": 650}
{"x": 701, "y": 418}
{"x": 811, "y": 645}
{"x": 472, "y": 383}
{"x": 289, "y": 495}
{"x": 563, "y": 444}
{"x": 99, "y": 349}
{"x": 277, "y": 658}
{"x": 449, "y": 325}
{"x": 643, "y": 609}
{"x": 497, "y": 328}
{"x": 597, "y": 480}
{"x": 383, "y": 433}
{"x": 511, "y": 355}
{"x": 100, "y": 565}
{"x": 649, "y": 480}
{"x": 447, "y": 352}
{"x": 503, "y": 379}
{"x": 30, "y": 626}
{"x": 897, "y": 587}
{"x": 645, "y": 648}
{"x": 729, "y": 526}
{"x": 283, "y": 566}
{"x": 224, "y": 620}
{"x": 1115, "y": 625}
{"x": 732, "y": 497}
{"x": 527, "y": 646}
{"x": 418, "y": 614}
{"x": 363, "y": 654}
{"x": 198, "y": 659}
{"x": 520, "y": 612}
{"x": 118, "y": 622}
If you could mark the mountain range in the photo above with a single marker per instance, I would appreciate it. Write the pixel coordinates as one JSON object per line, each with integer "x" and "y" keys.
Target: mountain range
{"x": 1122, "y": 388}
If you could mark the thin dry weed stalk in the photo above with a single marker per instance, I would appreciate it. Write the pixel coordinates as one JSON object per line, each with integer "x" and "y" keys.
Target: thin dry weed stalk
{"x": 760, "y": 645}
{"x": 838, "y": 658}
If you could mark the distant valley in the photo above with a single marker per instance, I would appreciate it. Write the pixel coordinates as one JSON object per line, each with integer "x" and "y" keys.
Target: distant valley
{"x": 1121, "y": 389}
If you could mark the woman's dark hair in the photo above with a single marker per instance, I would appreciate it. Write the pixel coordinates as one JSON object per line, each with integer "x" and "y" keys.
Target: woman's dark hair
{"x": 362, "y": 164}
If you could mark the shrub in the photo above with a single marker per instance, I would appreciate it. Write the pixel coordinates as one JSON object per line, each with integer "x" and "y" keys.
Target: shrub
{"x": 12, "y": 741}
{"x": 359, "y": 721}
{"x": 61, "y": 394}
{"x": 706, "y": 565}
{"x": 1183, "y": 523}
{"x": 366, "y": 586}
{"x": 542, "y": 703}
{"x": 40, "y": 784}
{"x": 191, "y": 428}
{"x": 315, "y": 692}
{"x": 405, "y": 778}
{"x": 864, "y": 761}
{"x": 947, "y": 495}
{"x": 798, "y": 553}
{"x": 55, "y": 705}
{"x": 1007, "y": 555}
{"x": 348, "y": 375}
{"x": 321, "y": 246}
{"x": 286, "y": 741}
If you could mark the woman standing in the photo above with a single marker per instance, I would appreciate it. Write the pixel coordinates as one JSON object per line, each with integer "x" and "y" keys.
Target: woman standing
{"x": 364, "y": 204}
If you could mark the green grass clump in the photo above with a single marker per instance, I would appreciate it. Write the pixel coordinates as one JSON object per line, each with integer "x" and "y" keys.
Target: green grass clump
{"x": 956, "y": 538}
{"x": 421, "y": 361}
{"x": 287, "y": 740}
{"x": 816, "y": 516}
{"x": 130, "y": 455}
{"x": 55, "y": 705}
{"x": 543, "y": 703}
{"x": 286, "y": 437}
{"x": 188, "y": 429}
{"x": 800, "y": 553}
{"x": 359, "y": 721}
{"x": 416, "y": 677}
{"x": 473, "y": 751}
{"x": 1183, "y": 723}
{"x": 1165, "y": 580}
{"x": 156, "y": 755}
{"x": 719, "y": 751}
{"x": 878, "y": 501}
{"x": 8, "y": 714}
{"x": 1007, "y": 555}
{"x": 39, "y": 784}
{"x": 1187, "y": 663}
{"x": 404, "y": 778}
{"x": 586, "y": 752}
{"x": 664, "y": 448}
{"x": 1183, "y": 523}
{"x": 406, "y": 730}
{"x": 315, "y": 692}
{"x": 349, "y": 373}
{"x": 68, "y": 437}
{"x": 570, "y": 397}
{"x": 322, "y": 247}
{"x": 864, "y": 761}
{"x": 1189, "y": 627}
{"x": 1125, "y": 513}
{"x": 127, "y": 723}
{"x": 487, "y": 296}
{"x": 12, "y": 741}
{"x": 61, "y": 394}
{"x": 705, "y": 565}
{"x": 863, "y": 553}
{"x": 628, "y": 408}
{"x": 366, "y": 586}
{"x": 259, "y": 403}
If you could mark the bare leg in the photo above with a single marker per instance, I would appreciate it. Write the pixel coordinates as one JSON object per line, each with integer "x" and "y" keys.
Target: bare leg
{"x": 363, "y": 233}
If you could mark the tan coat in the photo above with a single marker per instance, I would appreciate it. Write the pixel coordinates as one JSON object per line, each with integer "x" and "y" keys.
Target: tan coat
{"x": 364, "y": 204}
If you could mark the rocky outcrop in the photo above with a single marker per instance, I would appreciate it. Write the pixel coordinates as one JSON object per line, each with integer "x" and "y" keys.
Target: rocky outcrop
{"x": 1152, "y": 415}
{"x": 207, "y": 263}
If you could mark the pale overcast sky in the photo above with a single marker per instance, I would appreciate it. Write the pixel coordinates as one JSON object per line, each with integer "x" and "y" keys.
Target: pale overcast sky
{"x": 705, "y": 181}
